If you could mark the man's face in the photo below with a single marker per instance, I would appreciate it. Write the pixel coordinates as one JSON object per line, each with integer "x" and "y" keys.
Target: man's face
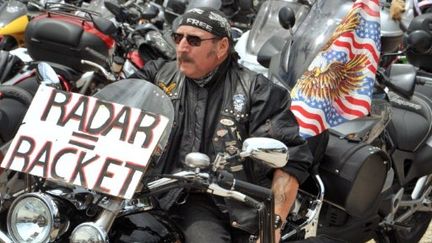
{"x": 197, "y": 61}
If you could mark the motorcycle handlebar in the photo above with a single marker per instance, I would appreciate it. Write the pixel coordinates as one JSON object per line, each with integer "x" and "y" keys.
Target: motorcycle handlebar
{"x": 215, "y": 189}
{"x": 226, "y": 180}
{"x": 237, "y": 189}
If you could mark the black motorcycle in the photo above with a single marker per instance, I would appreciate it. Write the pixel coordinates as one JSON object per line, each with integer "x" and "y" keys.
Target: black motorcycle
{"x": 54, "y": 209}
{"x": 372, "y": 176}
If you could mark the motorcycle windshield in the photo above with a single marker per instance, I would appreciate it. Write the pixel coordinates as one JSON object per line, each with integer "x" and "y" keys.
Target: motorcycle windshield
{"x": 311, "y": 35}
{"x": 142, "y": 95}
{"x": 10, "y": 11}
{"x": 266, "y": 24}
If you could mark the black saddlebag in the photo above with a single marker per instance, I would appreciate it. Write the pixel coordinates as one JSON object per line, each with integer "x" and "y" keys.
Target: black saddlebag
{"x": 63, "y": 39}
{"x": 353, "y": 174}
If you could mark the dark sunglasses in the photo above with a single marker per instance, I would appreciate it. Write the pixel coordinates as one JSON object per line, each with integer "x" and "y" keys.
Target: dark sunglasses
{"x": 191, "y": 39}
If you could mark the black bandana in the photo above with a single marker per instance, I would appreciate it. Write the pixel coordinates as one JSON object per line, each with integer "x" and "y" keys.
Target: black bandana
{"x": 208, "y": 19}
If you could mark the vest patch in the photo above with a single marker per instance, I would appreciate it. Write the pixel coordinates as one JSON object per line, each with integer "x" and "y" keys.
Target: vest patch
{"x": 239, "y": 101}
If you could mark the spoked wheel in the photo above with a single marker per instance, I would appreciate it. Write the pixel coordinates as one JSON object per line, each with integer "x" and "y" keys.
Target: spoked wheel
{"x": 413, "y": 230}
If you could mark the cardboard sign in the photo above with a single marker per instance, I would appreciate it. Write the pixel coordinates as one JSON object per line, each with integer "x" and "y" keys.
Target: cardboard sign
{"x": 85, "y": 141}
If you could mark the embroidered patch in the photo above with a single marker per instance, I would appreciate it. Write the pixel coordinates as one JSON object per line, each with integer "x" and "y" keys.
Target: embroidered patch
{"x": 230, "y": 143}
{"x": 231, "y": 147}
{"x": 221, "y": 132}
{"x": 167, "y": 89}
{"x": 227, "y": 122}
{"x": 239, "y": 101}
{"x": 232, "y": 150}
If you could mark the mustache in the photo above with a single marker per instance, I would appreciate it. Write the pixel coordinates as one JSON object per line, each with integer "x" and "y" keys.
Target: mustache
{"x": 184, "y": 58}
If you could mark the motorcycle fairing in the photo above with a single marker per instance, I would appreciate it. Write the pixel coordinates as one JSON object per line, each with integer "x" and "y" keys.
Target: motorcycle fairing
{"x": 10, "y": 11}
{"x": 310, "y": 37}
{"x": 16, "y": 27}
{"x": 267, "y": 19}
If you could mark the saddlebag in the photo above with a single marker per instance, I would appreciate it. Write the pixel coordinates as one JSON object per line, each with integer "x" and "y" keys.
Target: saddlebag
{"x": 63, "y": 39}
{"x": 353, "y": 173}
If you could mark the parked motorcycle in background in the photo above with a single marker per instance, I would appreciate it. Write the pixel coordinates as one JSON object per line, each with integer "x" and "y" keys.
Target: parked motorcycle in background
{"x": 13, "y": 21}
{"x": 88, "y": 51}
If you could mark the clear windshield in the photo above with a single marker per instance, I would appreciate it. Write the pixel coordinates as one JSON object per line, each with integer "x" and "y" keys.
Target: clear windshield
{"x": 142, "y": 95}
{"x": 266, "y": 24}
{"x": 11, "y": 10}
{"x": 311, "y": 35}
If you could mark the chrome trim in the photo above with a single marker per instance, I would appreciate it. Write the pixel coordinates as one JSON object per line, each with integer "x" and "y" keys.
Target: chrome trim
{"x": 311, "y": 224}
{"x": 418, "y": 187}
{"x": 166, "y": 181}
{"x": 100, "y": 230}
{"x": 58, "y": 227}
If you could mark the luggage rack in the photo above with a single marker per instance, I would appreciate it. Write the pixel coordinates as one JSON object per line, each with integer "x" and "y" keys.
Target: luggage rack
{"x": 65, "y": 9}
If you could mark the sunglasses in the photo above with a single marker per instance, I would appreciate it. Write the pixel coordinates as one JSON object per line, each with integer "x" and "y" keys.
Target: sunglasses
{"x": 192, "y": 40}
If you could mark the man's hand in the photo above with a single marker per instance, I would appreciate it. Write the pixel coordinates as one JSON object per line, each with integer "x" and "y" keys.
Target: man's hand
{"x": 284, "y": 187}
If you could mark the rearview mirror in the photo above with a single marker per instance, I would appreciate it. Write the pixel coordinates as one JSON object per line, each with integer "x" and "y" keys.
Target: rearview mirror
{"x": 271, "y": 151}
{"x": 197, "y": 160}
{"x": 45, "y": 74}
{"x": 420, "y": 41}
{"x": 286, "y": 17}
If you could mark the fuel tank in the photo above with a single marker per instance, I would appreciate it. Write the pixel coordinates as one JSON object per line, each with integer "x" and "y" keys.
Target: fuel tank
{"x": 145, "y": 227}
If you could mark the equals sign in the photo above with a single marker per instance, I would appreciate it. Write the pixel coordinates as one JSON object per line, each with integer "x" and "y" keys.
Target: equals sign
{"x": 83, "y": 140}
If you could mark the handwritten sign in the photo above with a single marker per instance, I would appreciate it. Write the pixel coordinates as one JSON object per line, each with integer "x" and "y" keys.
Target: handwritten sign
{"x": 85, "y": 141}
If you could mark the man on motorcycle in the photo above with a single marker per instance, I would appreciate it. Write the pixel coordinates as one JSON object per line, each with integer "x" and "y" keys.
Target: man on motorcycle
{"x": 219, "y": 103}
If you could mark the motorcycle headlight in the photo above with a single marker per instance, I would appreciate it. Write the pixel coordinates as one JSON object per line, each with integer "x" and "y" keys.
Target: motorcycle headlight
{"x": 34, "y": 217}
{"x": 88, "y": 232}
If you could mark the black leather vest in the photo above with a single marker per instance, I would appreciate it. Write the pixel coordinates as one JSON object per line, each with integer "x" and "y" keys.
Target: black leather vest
{"x": 231, "y": 128}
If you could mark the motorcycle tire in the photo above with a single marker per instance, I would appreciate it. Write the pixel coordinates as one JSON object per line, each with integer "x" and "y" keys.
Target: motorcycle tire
{"x": 417, "y": 223}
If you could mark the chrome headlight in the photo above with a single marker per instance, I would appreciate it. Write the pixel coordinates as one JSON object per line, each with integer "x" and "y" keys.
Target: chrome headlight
{"x": 88, "y": 232}
{"x": 34, "y": 217}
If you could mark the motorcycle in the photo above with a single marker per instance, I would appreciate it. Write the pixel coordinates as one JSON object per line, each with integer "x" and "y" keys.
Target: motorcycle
{"x": 82, "y": 43}
{"x": 62, "y": 204}
{"x": 13, "y": 21}
{"x": 144, "y": 38}
{"x": 284, "y": 55}
{"x": 372, "y": 175}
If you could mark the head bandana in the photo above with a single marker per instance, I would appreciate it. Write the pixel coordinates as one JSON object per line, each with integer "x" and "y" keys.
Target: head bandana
{"x": 208, "y": 19}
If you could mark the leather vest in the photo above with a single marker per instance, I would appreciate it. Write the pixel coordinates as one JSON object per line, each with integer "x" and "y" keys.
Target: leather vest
{"x": 231, "y": 128}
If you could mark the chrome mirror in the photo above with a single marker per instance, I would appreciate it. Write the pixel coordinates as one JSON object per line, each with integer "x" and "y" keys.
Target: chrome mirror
{"x": 46, "y": 75}
{"x": 197, "y": 160}
{"x": 271, "y": 151}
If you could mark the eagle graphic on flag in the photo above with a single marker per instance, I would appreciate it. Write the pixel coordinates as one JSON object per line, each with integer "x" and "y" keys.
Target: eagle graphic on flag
{"x": 338, "y": 83}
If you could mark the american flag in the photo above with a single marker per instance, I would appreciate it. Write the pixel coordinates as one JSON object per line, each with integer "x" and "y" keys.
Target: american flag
{"x": 338, "y": 83}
